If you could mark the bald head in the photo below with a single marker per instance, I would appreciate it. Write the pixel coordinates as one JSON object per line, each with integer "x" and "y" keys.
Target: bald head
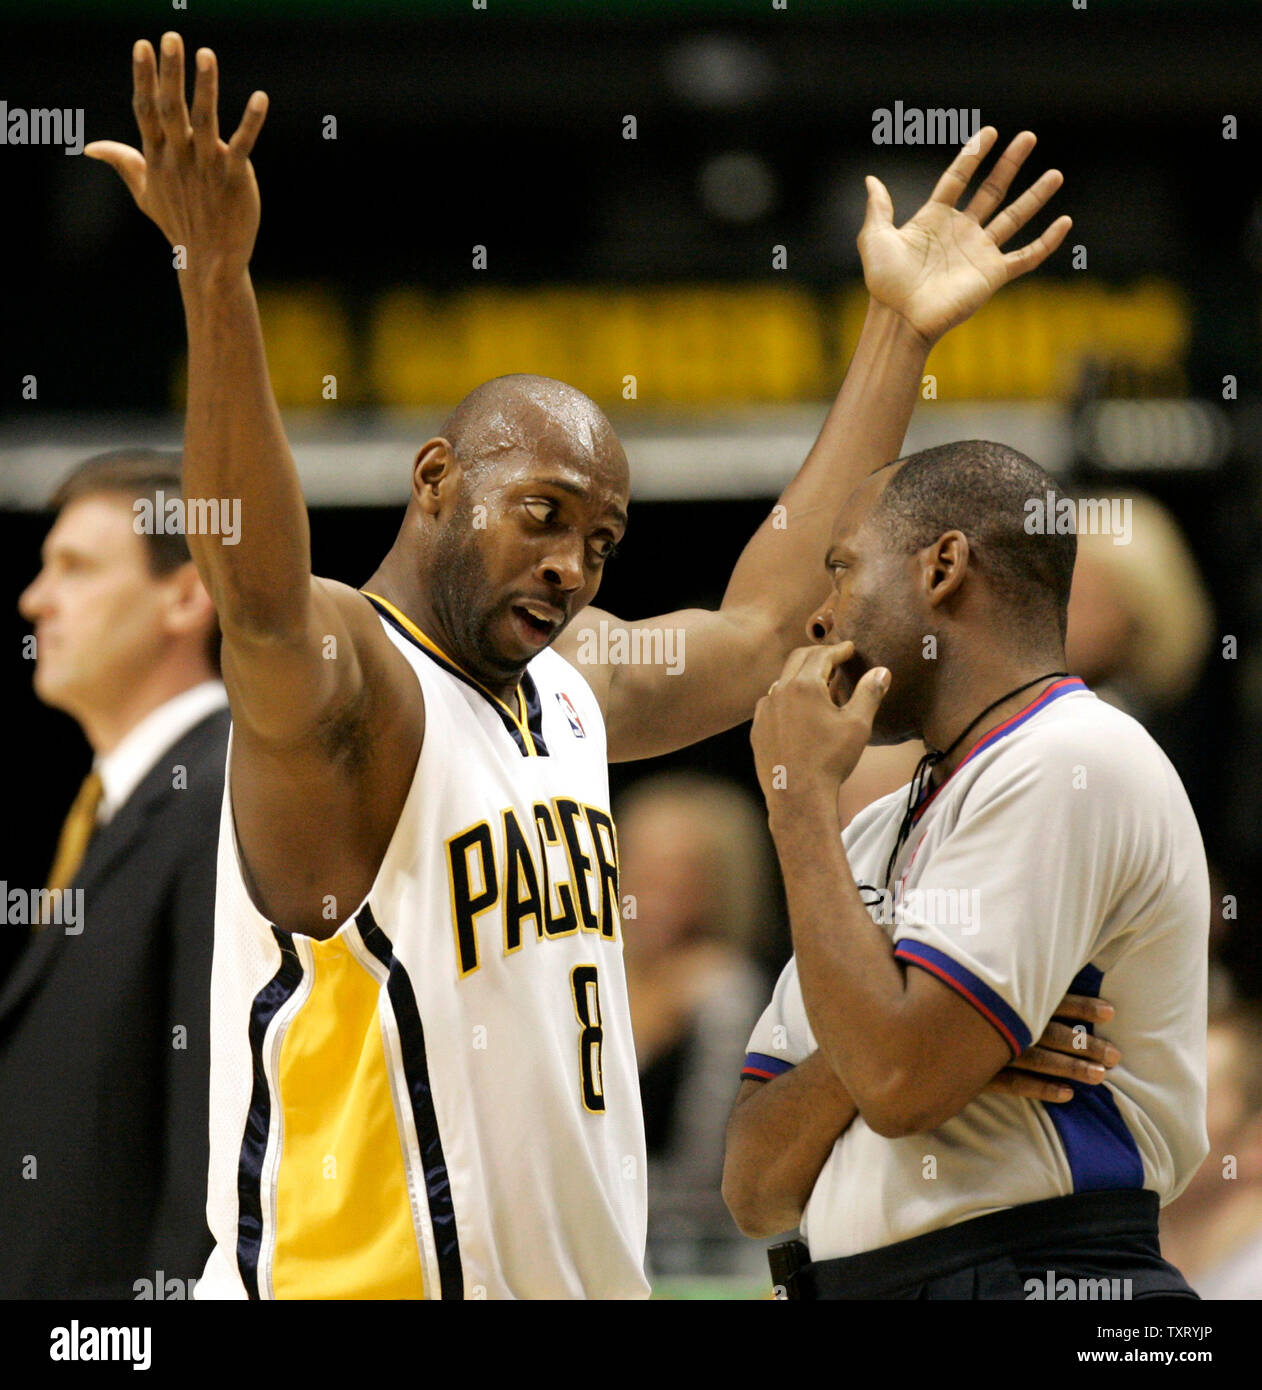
{"x": 524, "y": 414}
{"x": 515, "y": 508}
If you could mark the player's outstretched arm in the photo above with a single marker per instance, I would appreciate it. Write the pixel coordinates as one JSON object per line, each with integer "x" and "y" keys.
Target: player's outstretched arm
{"x": 923, "y": 278}
{"x": 201, "y": 192}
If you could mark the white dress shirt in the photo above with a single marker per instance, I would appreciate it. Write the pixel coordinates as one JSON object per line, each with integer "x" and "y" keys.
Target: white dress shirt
{"x": 124, "y": 766}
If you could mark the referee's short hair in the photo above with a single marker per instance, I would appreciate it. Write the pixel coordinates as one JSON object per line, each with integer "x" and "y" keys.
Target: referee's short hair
{"x": 983, "y": 490}
{"x": 135, "y": 473}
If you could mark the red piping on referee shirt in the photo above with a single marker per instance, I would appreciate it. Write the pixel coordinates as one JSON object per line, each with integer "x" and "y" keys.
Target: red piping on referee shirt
{"x": 1053, "y": 692}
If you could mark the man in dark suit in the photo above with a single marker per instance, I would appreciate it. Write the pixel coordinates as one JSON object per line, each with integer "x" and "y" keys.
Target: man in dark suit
{"x": 104, "y": 1015}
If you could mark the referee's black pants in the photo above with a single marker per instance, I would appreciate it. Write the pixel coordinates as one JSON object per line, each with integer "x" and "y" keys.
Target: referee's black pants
{"x": 1093, "y": 1245}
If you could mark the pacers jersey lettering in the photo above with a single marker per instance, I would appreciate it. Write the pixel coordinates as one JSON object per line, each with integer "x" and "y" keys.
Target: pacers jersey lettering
{"x": 441, "y": 1099}
{"x": 509, "y": 869}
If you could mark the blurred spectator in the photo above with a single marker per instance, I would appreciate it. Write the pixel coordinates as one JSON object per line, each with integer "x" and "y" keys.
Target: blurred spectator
{"x": 1140, "y": 621}
{"x": 1140, "y": 629}
{"x": 1213, "y": 1232}
{"x": 104, "y": 1022}
{"x": 697, "y": 882}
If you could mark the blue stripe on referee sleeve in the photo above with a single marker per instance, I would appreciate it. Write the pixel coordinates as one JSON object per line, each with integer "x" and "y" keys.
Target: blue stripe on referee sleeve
{"x": 979, "y": 994}
{"x": 1099, "y": 1147}
{"x": 759, "y": 1067}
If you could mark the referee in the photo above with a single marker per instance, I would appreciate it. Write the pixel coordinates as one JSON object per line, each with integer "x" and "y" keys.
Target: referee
{"x": 1046, "y": 845}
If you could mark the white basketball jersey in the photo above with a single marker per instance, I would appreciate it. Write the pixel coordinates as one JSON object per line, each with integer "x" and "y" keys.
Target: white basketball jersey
{"x": 441, "y": 1100}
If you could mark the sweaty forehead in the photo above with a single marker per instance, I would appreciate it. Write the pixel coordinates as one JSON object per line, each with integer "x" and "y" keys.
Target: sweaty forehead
{"x": 565, "y": 434}
{"x": 538, "y": 421}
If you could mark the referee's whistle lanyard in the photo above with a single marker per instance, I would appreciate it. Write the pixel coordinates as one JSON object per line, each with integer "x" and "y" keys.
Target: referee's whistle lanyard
{"x": 918, "y": 792}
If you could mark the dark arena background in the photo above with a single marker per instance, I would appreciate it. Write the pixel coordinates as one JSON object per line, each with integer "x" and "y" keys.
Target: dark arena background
{"x": 658, "y": 201}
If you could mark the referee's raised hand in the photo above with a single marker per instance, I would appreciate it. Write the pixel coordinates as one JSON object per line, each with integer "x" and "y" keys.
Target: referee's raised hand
{"x": 804, "y": 739}
{"x": 944, "y": 263}
{"x": 199, "y": 189}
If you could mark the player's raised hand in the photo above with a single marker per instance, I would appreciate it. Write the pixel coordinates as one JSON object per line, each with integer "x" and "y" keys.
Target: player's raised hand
{"x": 945, "y": 263}
{"x": 199, "y": 190}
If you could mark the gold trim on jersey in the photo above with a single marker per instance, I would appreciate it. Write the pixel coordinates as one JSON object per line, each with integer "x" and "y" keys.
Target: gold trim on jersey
{"x": 343, "y": 1201}
{"x": 521, "y": 719}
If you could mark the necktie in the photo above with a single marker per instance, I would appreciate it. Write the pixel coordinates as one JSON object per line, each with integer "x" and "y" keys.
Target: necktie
{"x": 76, "y": 832}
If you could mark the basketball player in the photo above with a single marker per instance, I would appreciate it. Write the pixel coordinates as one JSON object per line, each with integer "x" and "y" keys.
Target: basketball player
{"x": 1045, "y": 844}
{"x": 423, "y": 1079}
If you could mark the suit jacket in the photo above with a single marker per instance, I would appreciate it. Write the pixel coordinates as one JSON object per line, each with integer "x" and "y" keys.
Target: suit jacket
{"x": 105, "y": 1051}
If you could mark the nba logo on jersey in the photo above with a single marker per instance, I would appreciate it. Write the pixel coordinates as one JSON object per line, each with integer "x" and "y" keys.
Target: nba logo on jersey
{"x": 576, "y": 724}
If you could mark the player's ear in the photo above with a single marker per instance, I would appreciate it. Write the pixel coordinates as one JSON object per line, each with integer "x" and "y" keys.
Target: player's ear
{"x": 189, "y": 607}
{"x": 944, "y": 565}
{"x": 433, "y": 474}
